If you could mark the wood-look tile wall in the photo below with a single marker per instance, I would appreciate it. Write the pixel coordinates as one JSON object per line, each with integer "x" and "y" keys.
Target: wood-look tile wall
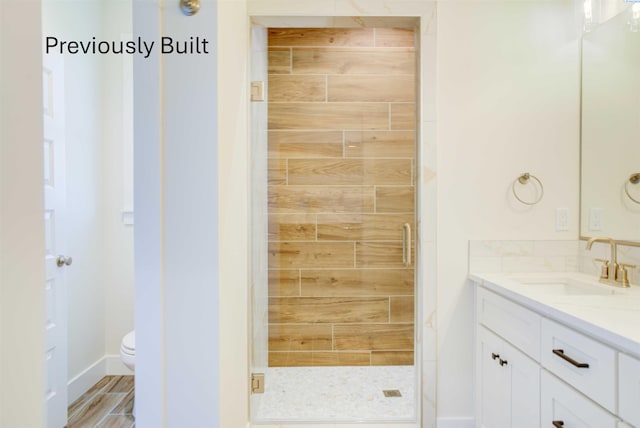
{"x": 341, "y": 185}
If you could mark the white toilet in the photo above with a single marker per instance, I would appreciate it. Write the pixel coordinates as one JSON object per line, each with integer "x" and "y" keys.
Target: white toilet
{"x": 128, "y": 355}
{"x": 128, "y": 350}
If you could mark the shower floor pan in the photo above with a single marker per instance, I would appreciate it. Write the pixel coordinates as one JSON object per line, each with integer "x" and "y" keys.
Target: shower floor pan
{"x": 338, "y": 394}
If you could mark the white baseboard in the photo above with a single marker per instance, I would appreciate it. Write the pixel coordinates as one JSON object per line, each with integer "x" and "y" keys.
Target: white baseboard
{"x": 115, "y": 366}
{"x": 86, "y": 379}
{"x": 456, "y": 423}
{"x": 109, "y": 365}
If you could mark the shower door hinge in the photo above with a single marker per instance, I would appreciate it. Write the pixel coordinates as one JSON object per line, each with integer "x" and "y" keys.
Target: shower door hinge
{"x": 257, "y": 383}
{"x": 257, "y": 90}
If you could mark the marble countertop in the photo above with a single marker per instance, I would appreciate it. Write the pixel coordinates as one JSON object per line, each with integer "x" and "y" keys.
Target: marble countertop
{"x": 604, "y": 312}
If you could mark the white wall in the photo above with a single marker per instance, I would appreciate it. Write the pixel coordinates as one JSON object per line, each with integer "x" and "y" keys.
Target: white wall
{"x": 232, "y": 51}
{"x": 507, "y": 103}
{"x": 22, "y": 297}
{"x": 178, "y": 282}
{"x": 148, "y": 255}
{"x": 117, "y": 190}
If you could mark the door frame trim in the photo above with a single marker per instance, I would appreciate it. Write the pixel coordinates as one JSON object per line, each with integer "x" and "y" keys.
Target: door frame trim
{"x": 270, "y": 14}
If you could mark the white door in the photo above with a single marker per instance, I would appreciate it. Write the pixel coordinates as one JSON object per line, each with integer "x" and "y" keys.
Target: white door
{"x": 54, "y": 194}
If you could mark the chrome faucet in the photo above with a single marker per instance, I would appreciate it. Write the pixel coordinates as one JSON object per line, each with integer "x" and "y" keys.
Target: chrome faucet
{"x": 612, "y": 272}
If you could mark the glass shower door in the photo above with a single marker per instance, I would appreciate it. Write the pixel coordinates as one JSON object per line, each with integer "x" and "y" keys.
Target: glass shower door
{"x": 334, "y": 288}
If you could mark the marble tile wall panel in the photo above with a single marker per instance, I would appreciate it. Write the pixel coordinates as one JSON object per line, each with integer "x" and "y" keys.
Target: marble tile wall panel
{"x": 523, "y": 256}
{"x": 547, "y": 256}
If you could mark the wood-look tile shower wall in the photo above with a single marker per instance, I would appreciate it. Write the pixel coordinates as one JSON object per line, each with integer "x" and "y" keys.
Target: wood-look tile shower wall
{"x": 341, "y": 186}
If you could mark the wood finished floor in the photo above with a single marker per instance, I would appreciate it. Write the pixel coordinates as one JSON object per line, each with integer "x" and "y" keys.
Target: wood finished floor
{"x": 108, "y": 404}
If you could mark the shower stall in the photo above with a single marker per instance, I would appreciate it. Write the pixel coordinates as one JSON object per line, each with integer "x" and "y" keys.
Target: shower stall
{"x": 334, "y": 175}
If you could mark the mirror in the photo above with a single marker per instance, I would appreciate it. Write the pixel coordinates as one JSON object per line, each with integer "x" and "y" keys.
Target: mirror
{"x": 611, "y": 127}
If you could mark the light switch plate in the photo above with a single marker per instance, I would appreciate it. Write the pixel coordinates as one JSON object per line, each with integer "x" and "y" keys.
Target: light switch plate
{"x": 595, "y": 219}
{"x": 562, "y": 219}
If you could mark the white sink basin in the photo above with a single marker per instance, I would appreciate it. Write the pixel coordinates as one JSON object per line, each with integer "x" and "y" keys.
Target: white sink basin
{"x": 566, "y": 287}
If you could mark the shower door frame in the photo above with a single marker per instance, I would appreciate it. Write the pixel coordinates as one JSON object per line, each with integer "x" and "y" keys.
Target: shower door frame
{"x": 425, "y": 196}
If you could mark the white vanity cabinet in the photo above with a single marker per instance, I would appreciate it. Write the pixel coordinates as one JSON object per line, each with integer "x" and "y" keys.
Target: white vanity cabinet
{"x": 508, "y": 376}
{"x": 518, "y": 325}
{"x": 509, "y": 383}
{"x": 586, "y": 364}
{"x": 532, "y": 370}
{"x": 629, "y": 389}
{"x": 564, "y": 407}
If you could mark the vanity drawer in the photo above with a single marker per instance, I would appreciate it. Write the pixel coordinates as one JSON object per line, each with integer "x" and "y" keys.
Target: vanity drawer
{"x": 585, "y": 364}
{"x": 629, "y": 389}
{"x": 568, "y": 408}
{"x": 516, "y": 324}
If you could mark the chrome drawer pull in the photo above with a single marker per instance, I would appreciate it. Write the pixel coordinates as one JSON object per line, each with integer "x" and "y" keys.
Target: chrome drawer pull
{"x": 560, "y": 353}
{"x": 558, "y": 424}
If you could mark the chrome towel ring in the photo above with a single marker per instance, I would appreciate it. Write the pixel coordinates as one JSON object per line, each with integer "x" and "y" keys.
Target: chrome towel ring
{"x": 524, "y": 179}
{"x": 633, "y": 179}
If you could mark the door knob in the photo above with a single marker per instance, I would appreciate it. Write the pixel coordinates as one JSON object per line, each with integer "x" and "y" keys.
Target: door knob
{"x": 63, "y": 260}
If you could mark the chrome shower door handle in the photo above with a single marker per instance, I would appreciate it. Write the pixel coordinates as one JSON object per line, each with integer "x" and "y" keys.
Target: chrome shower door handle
{"x": 406, "y": 244}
